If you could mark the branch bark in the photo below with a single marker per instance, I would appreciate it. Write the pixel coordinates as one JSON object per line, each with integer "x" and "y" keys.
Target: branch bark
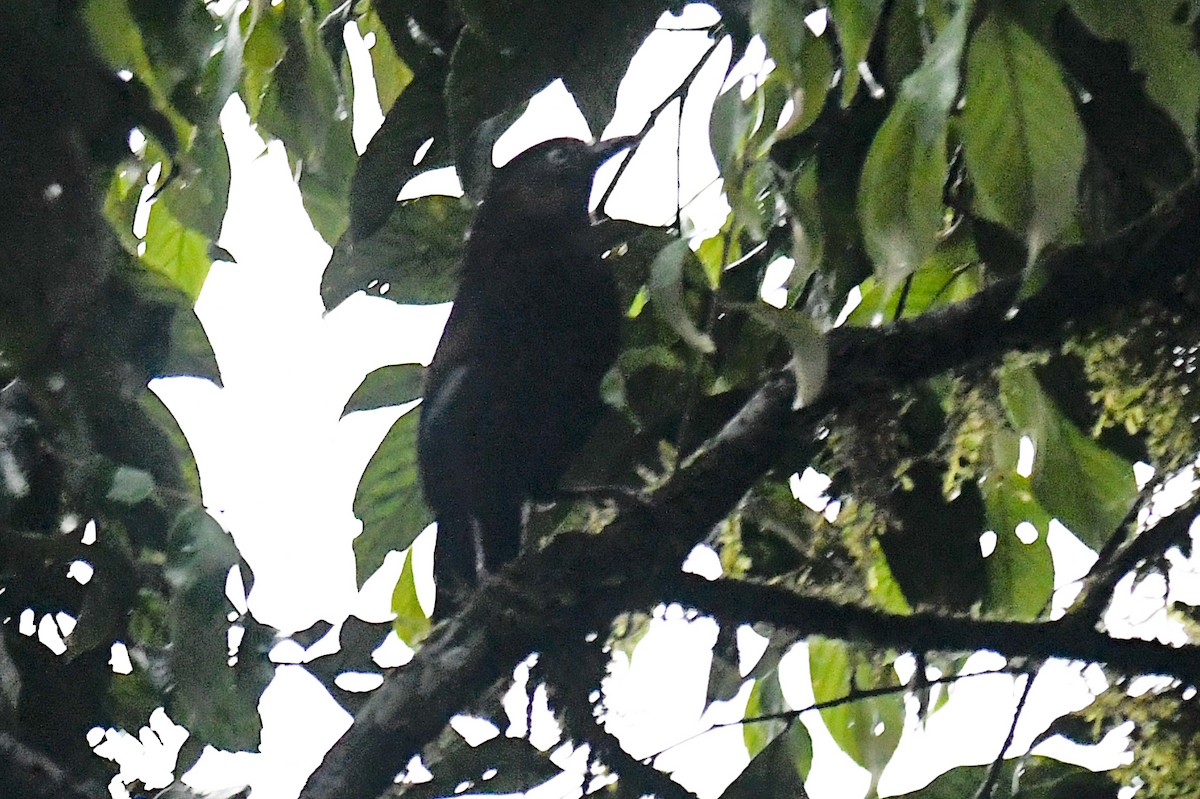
{"x": 26, "y": 772}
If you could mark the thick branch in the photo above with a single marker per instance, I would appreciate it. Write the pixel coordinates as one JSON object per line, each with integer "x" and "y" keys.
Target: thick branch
{"x": 30, "y": 773}
{"x": 579, "y": 583}
{"x": 731, "y": 601}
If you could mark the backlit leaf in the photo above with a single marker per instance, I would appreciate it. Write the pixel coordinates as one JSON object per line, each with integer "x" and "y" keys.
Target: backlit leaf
{"x": 1024, "y": 144}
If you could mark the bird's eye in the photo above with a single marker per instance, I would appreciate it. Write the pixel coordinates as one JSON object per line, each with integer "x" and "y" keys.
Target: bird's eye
{"x": 558, "y": 156}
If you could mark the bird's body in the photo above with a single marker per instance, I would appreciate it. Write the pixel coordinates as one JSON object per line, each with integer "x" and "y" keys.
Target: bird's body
{"x": 513, "y": 390}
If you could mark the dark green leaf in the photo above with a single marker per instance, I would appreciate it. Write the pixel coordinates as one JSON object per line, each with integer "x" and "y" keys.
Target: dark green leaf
{"x": 724, "y": 677}
{"x": 325, "y": 183}
{"x": 484, "y": 84}
{"x": 199, "y": 194}
{"x": 666, "y": 291}
{"x": 179, "y": 36}
{"x": 414, "y": 258}
{"x": 191, "y": 353}
{"x": 1087, "y": 487}
{"x": 1024, "y": 144}
{"x": 207, "y": 697}
{"x": 855, "y": 21}
{"x": 596, "y": 64}
{"x": 729, "y": 128}
{"x": 514, "y": 764}
{"x": 810, "y": 350}
{"x": 388, "y": 500}
{"x": 900, "y": 197}
{"x": 1163, "y": 48}
{"x": 778, "y": 770}
{"x": 304, "y": 107}
{"x": 130, "y": 486}
{"x": 387, "y": 386}
{"x": 931, "y": 541}
{"x": 1025, "y": 778}
{"x": 390, "y": 158}
{"x": 173, "y": 447}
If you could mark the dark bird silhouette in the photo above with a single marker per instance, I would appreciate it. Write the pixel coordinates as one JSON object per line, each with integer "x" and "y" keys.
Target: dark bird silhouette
{"x": 513, "y": 390}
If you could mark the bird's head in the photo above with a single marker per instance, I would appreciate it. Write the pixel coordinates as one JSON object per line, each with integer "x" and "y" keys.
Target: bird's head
{"x": 551, "y": 179}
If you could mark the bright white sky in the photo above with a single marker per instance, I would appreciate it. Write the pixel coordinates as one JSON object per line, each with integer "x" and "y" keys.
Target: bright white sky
{"x": 279, "y": 469}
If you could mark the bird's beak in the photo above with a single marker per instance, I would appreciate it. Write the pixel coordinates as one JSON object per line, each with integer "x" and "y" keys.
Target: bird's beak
{"x": 604, "y": 150}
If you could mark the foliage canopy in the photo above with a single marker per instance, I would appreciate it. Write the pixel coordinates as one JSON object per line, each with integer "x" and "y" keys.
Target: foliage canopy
{"x": 989, "y": 212}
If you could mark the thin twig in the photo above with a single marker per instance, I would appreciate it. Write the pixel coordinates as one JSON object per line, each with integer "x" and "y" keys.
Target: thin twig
{"x": 993, "y": 776}
{"x": 853, "y": 696}
{"x": 678, "y": 93}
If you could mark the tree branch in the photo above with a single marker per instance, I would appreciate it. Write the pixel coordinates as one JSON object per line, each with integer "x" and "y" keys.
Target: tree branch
{"x": 1098, "y": 585}
{"x": 571, "y": 673}
{"x": 736, "y": 602}
{"x": 27, "y": 772}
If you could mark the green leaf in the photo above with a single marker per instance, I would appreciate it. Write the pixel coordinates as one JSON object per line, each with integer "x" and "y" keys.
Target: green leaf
{"x": 198, "y": 196}
{"x": 666, "y": 291}
{"x": 1020, "y": 576}
{"x": 1161, "y": 43}
{"x": 780, "y": 23}
{"x": 303, "y": 97}
{"x": 388, "y": 500}
{"x": 207, "y": 698}
{"x": 181, "y": 459}
{"x": 805, "y": 65}
{"x": 387, "y": 386}
{"x": 191, "y": 353}
{"x": 1024, "y": 144}
{"x": 950, "y": 274}
{"x": 303, "y": 107}
{"x": 179, "y": 37}
{"x": 778, "y": 770}
{"x": 900, "y": 194}
{"x": 866, "y": 729}
{"x": 855, "y": 21}
{"x": 1022, "y": 778}
{"x": 117, "y": 39}
{"x": 729, "y": 128}
{"x": 414, "y": 258}
{"x": 485, "y": 83}
{"x": 392, "y": 75}
{"x": 325, "y": 183}
{"x": 176, "y": 251}
{"x": 390, "y": 158}
{"x": 600, "y": 53}
{"x": 511, "y": 765}
{"x": 1087, "y": 487}
{"x": 411, "y": 624}
{"x": 157, "y": 301}
{"x": 130, "y": 486}
{"x": 810, "y": 349}
{"x": 813, "y": 83}
{"x": 766, "y": 699}
{"x": 264, "y": 49}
